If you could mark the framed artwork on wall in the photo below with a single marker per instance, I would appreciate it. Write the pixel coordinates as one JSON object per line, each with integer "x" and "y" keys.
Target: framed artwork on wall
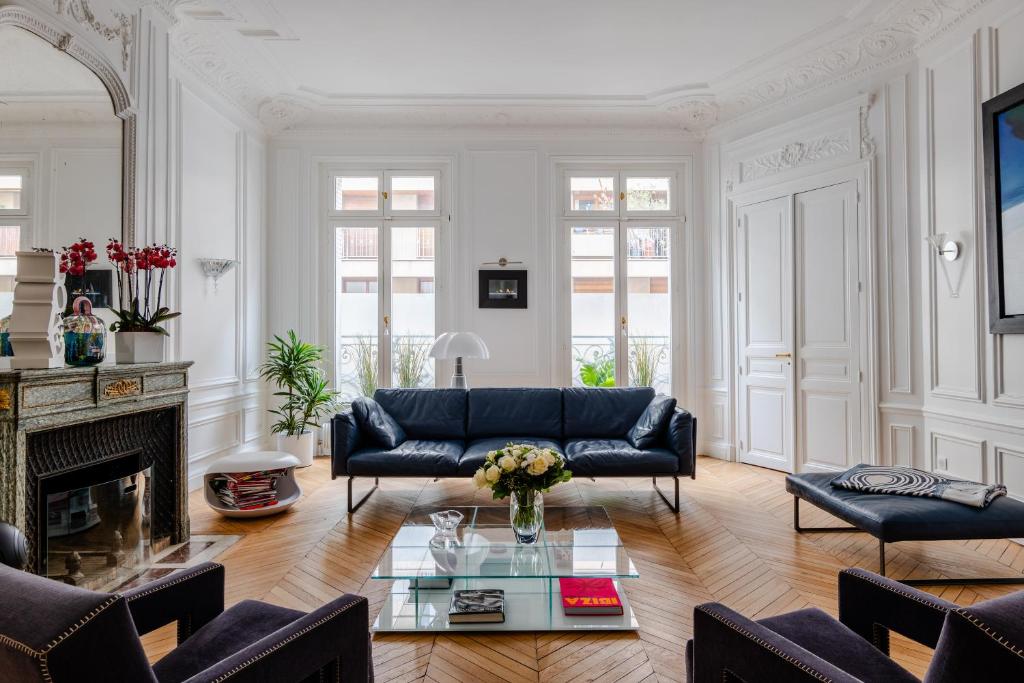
{"x": 1003, "y": 129}
{"x": 503, "y": 289}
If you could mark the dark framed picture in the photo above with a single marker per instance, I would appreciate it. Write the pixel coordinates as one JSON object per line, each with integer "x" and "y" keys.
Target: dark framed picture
{"x": 98, "y": 286}
{"x": 502, "y": 289}
{"x": 1003, "y": 128}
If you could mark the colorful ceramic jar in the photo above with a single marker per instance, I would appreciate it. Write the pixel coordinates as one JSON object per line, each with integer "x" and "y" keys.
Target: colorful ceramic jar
{"x": 85, "y": 335}
{"x": 6, "y": 351}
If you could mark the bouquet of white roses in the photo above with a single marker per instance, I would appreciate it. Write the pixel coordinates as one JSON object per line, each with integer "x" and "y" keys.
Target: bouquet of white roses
{"x": 521, "y": 468}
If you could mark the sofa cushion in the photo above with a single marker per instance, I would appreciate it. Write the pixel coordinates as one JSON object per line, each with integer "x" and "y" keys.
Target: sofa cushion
{"x": 608, "y": 457}
{"x": 509, "y": 412}
{"x": 477, "y": 450}
{"x": 821, "y": 635}
{"x": 375, "y": 423}
{"x": 981, "y": 643}
{"x": 909, "y": 518}
{"x": 231, "y": 631}
{"x": 651, "y": 424}
{"x": 412, "y": 458}
{"x": 602, "y": 413}
{"x": 426, "y": 413}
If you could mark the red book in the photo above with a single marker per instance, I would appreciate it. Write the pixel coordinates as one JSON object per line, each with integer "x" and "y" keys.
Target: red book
{"x": 589, "y": 596}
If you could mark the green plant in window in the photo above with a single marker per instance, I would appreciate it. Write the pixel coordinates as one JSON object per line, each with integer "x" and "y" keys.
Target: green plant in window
{"x": 598, "y": 371}
{"x": 644, "y": 358}
{"x": 410, "y": 359}
{"x": 366, "y": 366}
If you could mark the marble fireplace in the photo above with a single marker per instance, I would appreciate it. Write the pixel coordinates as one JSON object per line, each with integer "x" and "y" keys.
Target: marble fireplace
{"x": 93, "y": 466}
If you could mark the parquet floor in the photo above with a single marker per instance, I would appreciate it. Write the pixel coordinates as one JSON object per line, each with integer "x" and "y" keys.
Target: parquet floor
{"x": 731, "y": 543}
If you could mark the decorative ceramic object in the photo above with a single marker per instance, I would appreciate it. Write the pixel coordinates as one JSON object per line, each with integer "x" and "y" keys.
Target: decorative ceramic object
{"x": 302, "y": 446}
{"x": 85, "y": 335}
{"x": 6, "y": 351}
{"x": 140, "y": 347}
{"x": 39, "y": 299}
{"x": 288, "y": 491}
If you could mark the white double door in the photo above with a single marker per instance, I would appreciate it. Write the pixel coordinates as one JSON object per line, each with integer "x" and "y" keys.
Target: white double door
{"x": 797, "y": 321}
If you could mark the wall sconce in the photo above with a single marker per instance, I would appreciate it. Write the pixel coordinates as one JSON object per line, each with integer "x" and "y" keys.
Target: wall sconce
{"x": 947, "y": 251}
{"x": 215, "y": 268}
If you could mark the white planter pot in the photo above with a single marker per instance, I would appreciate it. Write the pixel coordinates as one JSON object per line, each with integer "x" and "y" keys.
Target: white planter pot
{"x": 302, "y": 446}
{"x": 140, "y": 347}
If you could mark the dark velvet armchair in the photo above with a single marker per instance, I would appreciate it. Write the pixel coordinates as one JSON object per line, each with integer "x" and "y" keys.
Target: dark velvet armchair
{"x": 53, "y": 632}
{"x": 983, "y": 642}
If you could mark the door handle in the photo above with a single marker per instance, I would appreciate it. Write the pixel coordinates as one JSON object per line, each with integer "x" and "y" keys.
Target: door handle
{"x": 786, "y": 355}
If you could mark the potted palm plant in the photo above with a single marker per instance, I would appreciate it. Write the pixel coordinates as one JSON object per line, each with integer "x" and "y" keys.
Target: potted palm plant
{"x": 293, "y": 367}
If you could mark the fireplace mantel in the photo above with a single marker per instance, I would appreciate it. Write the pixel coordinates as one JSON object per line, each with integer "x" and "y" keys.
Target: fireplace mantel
{"x": 35, "y": 405}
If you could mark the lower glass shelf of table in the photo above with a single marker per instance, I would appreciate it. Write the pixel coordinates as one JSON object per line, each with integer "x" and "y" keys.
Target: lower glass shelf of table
{"x": 574, "y": 542}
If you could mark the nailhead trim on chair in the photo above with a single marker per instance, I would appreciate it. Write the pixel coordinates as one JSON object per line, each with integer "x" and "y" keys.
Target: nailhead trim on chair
{"x": 184, "y": 576}
{"x": 278, "y": 646}
{"x": 990, "y": 632}
{"x": 913, "y": 596}
{"x": 765, "y": 644}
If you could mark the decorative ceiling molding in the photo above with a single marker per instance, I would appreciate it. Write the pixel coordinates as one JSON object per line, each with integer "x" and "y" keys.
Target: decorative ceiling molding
{"x": 123, "y": 30}
{"x": 893, "y": 36}
{"x": 795, "y": 154}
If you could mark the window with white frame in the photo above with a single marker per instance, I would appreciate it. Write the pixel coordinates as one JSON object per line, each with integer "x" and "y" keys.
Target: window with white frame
{"x": 622, "y": 228}
{"x": 15, "y": 216}
{"x": 384, "y": 227}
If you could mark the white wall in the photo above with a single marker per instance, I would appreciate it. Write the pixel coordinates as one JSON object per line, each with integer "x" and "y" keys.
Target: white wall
{"x": 219, "y": 164}
{"x": 949, "y": 395}
{"x": 501, "y": 204}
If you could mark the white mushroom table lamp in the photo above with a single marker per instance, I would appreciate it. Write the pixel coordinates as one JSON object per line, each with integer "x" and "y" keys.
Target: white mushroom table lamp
{"x": 459, "y": 345}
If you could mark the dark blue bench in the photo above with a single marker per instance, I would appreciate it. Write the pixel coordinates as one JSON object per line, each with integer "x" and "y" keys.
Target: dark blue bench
{"x": 450, "y": 431}
{"x": 893, "y": 518}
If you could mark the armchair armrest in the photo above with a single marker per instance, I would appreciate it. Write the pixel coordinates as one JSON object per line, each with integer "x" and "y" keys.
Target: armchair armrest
{"x": 727, "y": 643}
{"x": 682, "y": 440}
{"x": 344, "y": 441}
{"x": 191, "y": 597}
{"x": 336, "y": 635}
{"x": 870, "y": 605}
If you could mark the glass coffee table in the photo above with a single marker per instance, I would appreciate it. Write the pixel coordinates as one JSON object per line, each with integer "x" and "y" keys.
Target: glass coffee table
{"x": 482, "y": 552}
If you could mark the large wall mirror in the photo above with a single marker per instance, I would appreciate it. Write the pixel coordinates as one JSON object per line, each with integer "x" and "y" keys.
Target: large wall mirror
{"x": 62, "y": 148}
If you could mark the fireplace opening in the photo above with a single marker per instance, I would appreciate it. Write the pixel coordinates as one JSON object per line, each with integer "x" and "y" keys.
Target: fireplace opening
{"x": 95, "y": 526}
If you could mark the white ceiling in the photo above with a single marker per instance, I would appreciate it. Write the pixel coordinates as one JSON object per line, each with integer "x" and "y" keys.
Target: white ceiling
{"x": 660, "y": 63}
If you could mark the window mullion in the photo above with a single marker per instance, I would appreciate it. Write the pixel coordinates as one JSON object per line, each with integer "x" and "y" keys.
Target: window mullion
{"x": 384, "y": 294}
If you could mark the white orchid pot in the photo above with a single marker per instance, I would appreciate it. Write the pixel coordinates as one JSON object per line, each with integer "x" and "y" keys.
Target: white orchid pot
{"x": 302, "y": 446}
{"x": 140, "y": 347}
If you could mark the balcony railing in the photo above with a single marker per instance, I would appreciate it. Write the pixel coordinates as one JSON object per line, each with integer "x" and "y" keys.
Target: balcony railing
{"x": 593, "y": 362}
{"x": 356, "y": 364}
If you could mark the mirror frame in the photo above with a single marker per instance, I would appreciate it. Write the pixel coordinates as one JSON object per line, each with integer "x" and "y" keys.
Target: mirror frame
{"x": 80, "y": 50}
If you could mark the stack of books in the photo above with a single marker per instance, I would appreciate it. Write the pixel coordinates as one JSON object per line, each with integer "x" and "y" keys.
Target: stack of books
{"x": 482, "y": 606}
{"x": 590, "y": 597}
{"x": 248, "y": 490}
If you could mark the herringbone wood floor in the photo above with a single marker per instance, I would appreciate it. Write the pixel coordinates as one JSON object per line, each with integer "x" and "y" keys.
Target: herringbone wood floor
{"x": 732, "y": 543}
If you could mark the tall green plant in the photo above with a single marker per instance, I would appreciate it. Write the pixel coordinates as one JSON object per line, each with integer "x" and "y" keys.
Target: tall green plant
{"x": 293, "y": 366}
{"x": 644, "y": 359}
{"x": 597, "y": 372}
{"x": 366, "y": 366}
{"x": 410, "y": 360}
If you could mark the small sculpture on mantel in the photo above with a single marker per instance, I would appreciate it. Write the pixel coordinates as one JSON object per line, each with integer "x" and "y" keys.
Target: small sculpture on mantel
{"x": 36, "y": 334}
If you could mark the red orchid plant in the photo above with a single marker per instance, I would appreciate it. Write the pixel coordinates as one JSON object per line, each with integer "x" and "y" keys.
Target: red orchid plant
{"x": 74, "y": 260}
{"x": 138, "y": 270}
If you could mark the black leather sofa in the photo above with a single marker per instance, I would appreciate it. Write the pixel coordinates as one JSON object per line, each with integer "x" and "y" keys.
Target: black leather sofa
{"x": 448, "y": 433}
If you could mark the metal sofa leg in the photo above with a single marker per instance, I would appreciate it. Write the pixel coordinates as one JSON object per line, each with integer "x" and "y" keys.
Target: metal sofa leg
{"x": 674, "y": 508}
{"x": 353, "y": 508}
{"x": 815, "y": 529}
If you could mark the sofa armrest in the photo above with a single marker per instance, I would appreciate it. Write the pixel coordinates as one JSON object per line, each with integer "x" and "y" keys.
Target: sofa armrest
{"x": 192, "y": 597}
{"x": 335, "y": 636}
{"x": 682, "y": 440}
{"x": 344, "y": 441}
{"x": 871, "y": 605}
{"x": 728, "y": 646}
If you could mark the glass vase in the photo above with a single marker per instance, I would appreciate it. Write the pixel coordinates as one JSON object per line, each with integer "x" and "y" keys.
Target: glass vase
{"x": 526, "y": 511}
{"x": 85, "y": 335}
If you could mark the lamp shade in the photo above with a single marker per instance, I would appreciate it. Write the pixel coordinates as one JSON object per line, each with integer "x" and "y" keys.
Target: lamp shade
{"x": 459, "y": 345}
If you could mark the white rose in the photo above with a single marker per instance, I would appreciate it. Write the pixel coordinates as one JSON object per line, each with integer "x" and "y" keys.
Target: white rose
{"x": 538, "y": 466}
{"x": 493, "y": 473}
{"x": 517, "y": 451}
{"x": 479, "y": 478}
{"x": 549, "y": 458}
{"x": 507, "y": 463}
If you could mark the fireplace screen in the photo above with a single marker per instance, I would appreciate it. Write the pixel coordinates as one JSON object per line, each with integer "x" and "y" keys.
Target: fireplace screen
{"x": 98, "y": 534}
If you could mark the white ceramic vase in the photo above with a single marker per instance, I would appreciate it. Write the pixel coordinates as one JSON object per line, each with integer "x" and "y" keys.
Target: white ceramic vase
{"x": 139, "y": 347}
{"x": 302, "y": 446}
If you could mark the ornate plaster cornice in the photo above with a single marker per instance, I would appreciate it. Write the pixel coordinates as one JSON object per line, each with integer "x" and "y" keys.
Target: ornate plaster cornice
{"x": 891, "y": 37}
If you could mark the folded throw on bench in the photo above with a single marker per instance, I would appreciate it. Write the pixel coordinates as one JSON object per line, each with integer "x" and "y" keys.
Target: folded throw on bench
{"x": 906, "y": 481}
